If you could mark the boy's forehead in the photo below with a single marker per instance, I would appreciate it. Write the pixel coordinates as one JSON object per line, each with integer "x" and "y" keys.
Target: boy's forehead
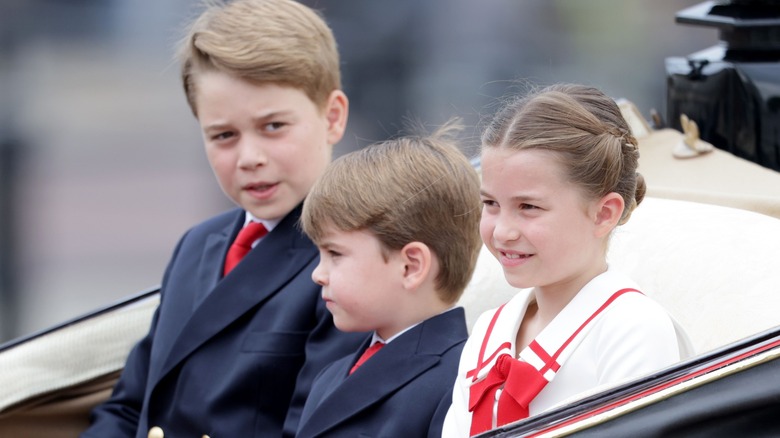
{"x": 330, "y": 234}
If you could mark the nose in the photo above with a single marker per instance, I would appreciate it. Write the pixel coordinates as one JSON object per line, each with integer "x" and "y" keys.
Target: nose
{"x": 506, "y": 229}
{"x": 252, "y": 153}
{"x": 319, "y": 275}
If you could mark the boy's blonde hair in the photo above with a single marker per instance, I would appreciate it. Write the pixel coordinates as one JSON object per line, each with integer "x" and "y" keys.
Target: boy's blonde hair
{"x": 585, "y": 129}
{"x": 409, "y": 189}
{"x": 263, "y": 41}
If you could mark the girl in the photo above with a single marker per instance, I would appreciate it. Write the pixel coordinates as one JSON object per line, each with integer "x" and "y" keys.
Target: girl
{"x": 558, "y": 175}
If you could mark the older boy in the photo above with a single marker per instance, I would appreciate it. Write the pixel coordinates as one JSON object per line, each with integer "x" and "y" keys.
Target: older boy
{"x": 241, "y": 332}
{"x": 397, "y": 229}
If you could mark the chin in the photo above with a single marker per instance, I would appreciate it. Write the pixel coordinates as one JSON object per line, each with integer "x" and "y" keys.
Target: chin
{"x": 516, "y": 282}
{"x": 347, "y": 328}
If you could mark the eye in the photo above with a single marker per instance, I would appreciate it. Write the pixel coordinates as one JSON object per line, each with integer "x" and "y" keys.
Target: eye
{"x": 489, "y": 203}
{"x": 528, "y": 207}
{"x": 222, "y": 136}
{"x": 329, "y": 252}
{"x": 274, "y": 126}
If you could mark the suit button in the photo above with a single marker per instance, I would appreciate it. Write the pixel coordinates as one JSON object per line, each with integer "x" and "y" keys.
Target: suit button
{"x": 205, "y": 436}
{"x": 156, "y": 432}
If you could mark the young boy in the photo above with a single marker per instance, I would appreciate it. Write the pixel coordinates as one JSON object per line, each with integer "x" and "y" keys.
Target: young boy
{"x": 397, "y": 229}
{"x": 236, "y": 343}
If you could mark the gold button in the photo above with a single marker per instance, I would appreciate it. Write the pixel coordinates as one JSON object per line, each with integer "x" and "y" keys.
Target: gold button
{"x": 205, "y": 436}
{"x": 156, "y": 432}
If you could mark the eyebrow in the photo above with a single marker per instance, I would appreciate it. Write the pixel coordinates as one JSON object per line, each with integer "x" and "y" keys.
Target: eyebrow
{"x": 263, "y": 117}
{"x": 328, "y": 244}
{"x": 526, "y": 198}
{"x": 517, "y": 198}
{"x": 273, "y": 114}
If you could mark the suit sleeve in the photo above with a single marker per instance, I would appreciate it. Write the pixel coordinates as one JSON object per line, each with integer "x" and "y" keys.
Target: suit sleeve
{"x": 324, "y": 345}
{"x": 118, "y": 416}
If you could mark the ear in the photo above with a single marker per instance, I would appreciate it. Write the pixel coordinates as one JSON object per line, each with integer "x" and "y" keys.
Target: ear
{"x": 609, "y": 209}
{"x": 336, "y": 113}
{"x": 417, "y": 259}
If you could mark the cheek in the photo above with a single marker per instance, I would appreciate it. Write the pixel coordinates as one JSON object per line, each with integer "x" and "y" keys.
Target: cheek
{"x": 319, "y": 160}
{"x": 308, "y": 172}
{"x": 222, "y": 166}
{"x": 320, "y": 157}
{"x": 486, "y": 226}
{"x": 340, "y": 281}
{"x": 540, "y": 234}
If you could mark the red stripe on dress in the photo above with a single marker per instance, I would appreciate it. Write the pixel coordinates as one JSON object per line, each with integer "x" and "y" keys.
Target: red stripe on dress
{"x": 480, "y": 362}
{"x": 549, "y": 362}
{"x": 599, "y": 310}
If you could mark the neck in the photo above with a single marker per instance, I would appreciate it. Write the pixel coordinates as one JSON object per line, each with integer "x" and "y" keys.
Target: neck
{"x": 551, "y": 299}
{"x": 414, "y": 311}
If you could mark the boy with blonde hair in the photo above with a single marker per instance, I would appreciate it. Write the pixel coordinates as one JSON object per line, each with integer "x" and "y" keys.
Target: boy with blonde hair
{"x": 241, "y": 331}
{"x": 397, "y": 229}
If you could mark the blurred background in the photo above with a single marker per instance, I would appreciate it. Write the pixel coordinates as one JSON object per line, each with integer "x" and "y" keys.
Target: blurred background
{"x": 101, "y": 163}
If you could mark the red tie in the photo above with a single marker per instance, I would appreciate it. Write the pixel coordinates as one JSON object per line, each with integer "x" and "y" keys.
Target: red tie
{"x": 366, "y": 355}
{"x": 243, "y": 243}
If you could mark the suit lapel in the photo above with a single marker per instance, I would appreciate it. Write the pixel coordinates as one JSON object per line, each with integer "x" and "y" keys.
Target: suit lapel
{"x": 265, "y": 270}
{"x": 392, "y": 367}
{"x": 339, "y": 373}
{"x": 212, "y": 260}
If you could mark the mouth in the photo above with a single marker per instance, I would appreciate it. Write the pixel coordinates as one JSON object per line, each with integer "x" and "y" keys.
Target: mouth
{"x": 514, "y": 256}
{"x": 329, "y": 304}
{"x": 261, "y": 190}
{"x": 260, "y": 186}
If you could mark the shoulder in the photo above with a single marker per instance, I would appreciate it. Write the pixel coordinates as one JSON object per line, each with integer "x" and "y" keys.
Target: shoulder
{"x": 635, "y": 335}
{"x": 631, "y": 310}
{"x": 454, "y": 320}
{"x": 636, "y": 310}
{"x": 439, "y": 335}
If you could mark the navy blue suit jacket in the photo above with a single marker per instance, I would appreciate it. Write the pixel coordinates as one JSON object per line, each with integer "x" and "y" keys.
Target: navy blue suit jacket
{"x": 232, "y": 356}
{"x": 404, "y": 390}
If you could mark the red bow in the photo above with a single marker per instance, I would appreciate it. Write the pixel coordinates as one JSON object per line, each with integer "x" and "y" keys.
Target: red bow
{"x": 522, "y": 383}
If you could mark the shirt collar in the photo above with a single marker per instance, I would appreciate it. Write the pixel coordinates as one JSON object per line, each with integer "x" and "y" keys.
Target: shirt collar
{"x": 269, "y": 225}
{"x": 377, "y": 338}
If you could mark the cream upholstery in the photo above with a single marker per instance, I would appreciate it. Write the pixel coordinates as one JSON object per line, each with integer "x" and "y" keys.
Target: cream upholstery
{"x": 74, "y": 354}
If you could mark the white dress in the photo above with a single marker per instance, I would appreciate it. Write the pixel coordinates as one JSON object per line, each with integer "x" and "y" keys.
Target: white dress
{"x": 631, "y": 337}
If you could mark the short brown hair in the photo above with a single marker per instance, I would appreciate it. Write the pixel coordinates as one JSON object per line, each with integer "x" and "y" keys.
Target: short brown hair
{"x": 409, "y": 189}
{"x": 586, "y": 130}
{"x": 263, "y": 41}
